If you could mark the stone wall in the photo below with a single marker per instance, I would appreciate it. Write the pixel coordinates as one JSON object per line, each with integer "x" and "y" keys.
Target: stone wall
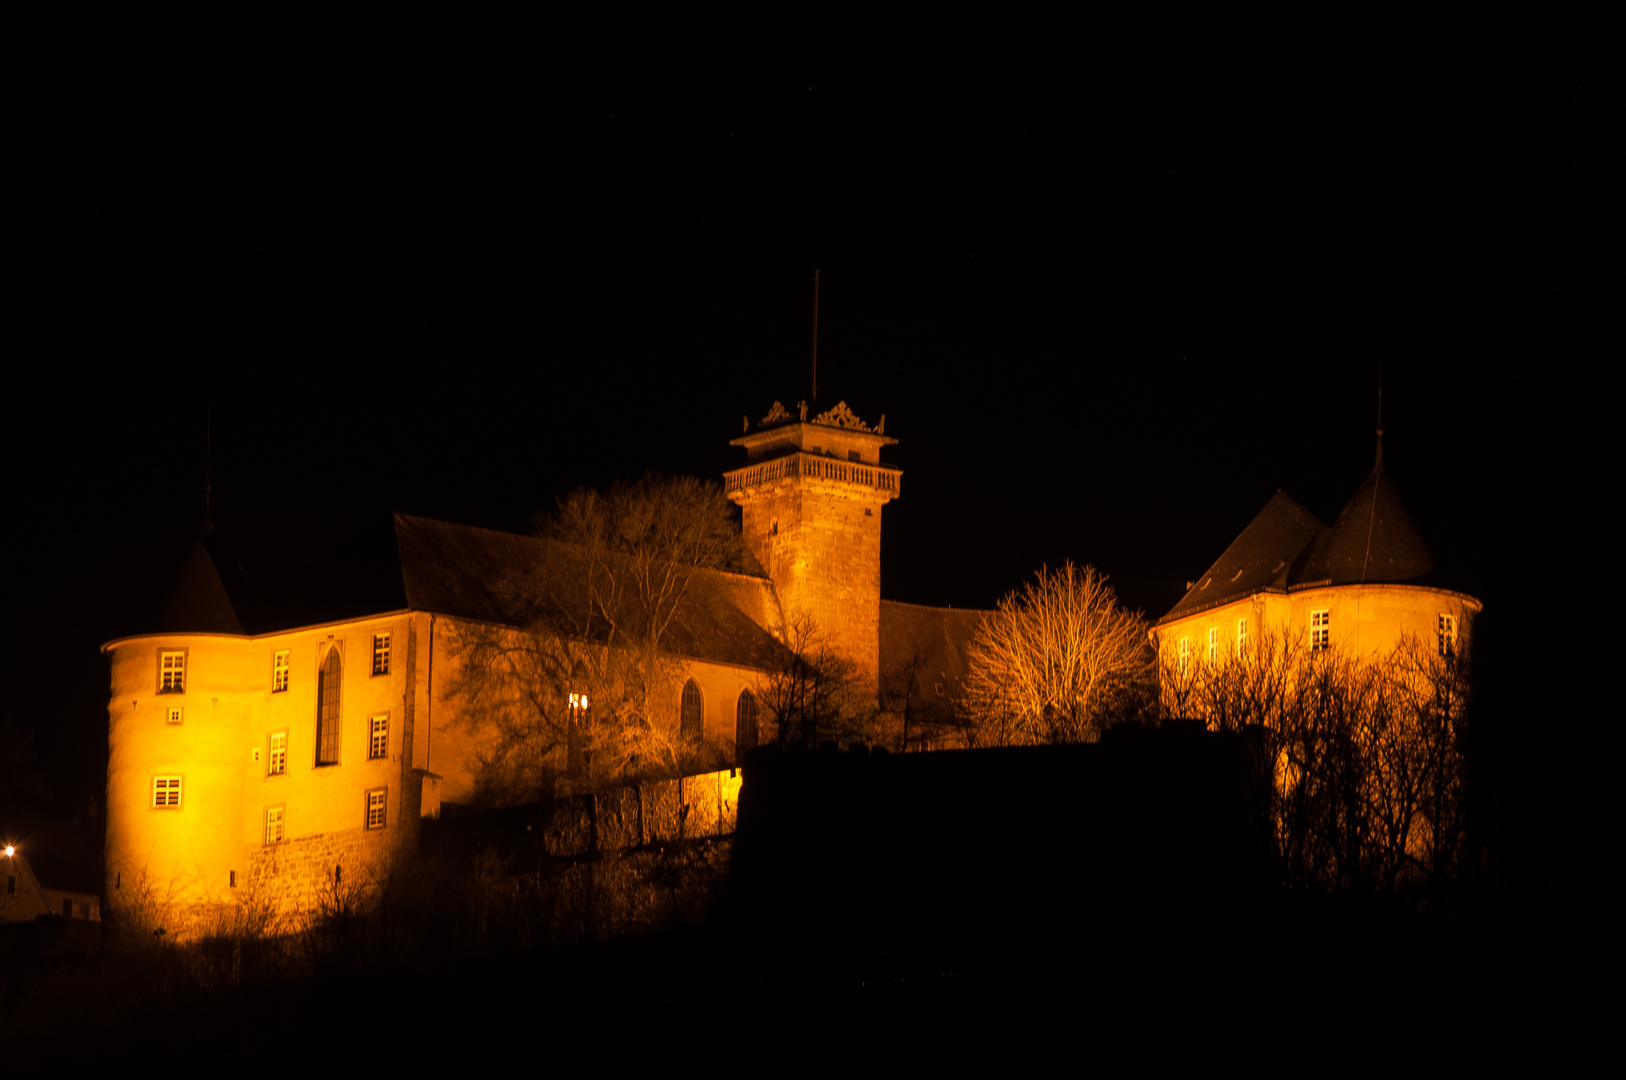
{"x": 311, "y": 873}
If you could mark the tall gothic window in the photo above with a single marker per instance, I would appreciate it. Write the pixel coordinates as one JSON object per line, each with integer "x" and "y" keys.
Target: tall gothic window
{"x": 690, "y": 728}
{"x": 745, "y": 725}
{"x": 327, "y": 709}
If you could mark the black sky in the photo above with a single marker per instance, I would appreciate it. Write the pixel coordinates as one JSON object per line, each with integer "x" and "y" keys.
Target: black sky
{"x": 1111, "y": 284}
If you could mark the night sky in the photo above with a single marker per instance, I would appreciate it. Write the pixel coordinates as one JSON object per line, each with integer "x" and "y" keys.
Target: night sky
{"x": 1111, "y": 285}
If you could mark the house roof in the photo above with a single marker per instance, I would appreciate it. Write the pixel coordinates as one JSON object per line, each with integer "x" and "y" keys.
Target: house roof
{"x": 926, "y": 646}
{"x": 1285, "y": 545}
{"x": 1275, "y": 545}
{"x": 196, "y": 602}
{"x": 512, "y": 580}
{"x": 1372, "y": 540}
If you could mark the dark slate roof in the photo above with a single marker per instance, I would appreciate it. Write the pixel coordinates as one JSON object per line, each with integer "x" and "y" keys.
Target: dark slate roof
{"x": 511, "y": 580}
{"x": 1270, "y": 552}
{"x": 933, "y": 642}
{"x": 197, "y": 602}
{"x": 1372, "y": 540}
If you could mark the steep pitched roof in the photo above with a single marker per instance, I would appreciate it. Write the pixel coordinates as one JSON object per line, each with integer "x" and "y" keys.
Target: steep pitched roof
{"x": 197, "y": 602}
{"x": 1267, "y": 553}
{"x": 1372, "y": 540}
{"x": 925, "y": 646}
{"x": 510, "y": 580}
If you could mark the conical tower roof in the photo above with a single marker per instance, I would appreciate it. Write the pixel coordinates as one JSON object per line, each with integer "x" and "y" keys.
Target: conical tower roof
{"x": 197, "y": 603}
{"x": 1372, "y": 540}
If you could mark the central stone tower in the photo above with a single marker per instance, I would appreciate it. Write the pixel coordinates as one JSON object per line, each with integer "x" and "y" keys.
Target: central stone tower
{"x": 811, "y": 493}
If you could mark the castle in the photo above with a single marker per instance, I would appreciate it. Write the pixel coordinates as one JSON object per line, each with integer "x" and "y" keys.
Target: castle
{"x": 245, "y": 760}
{"x": 1359, "y": 586}
{"x": 240, "y": 760}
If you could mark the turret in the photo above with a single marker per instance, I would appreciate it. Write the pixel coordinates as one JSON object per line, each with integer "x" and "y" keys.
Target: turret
{"x": 811, "y": 495}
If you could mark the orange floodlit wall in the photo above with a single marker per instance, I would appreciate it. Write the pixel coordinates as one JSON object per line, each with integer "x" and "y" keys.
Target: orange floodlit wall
{"x": 1362, "y": 619}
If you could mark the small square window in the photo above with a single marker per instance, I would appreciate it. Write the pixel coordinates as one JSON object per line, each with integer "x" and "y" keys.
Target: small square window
{"x": 379, "y": 745}
{"x": 375, "y": 808}
{"x": 273, "y": 824}
{"x": 172, "y": 715}
{"x": 279, "y": 671}
{"x": 381, "y": 654}
{"x": 172, "y": 671}
{"x": 1320, "y": 630}
{"x": 166, "y": 792}
{"x": 277, "y": 761}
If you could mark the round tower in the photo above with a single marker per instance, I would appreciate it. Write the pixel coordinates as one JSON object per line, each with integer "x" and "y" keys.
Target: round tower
{"x": 176, "y": 738}
{"x": 811, "y": 494}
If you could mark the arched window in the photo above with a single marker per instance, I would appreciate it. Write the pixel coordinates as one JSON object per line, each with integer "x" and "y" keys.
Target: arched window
{"x": 327, "y": 709}
{"x": 745, "y": 725}
{"x": 691, "y": 726}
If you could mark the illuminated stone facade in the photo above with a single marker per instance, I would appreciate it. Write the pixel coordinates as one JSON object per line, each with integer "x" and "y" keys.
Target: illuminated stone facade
{"x": 265, "y": 764}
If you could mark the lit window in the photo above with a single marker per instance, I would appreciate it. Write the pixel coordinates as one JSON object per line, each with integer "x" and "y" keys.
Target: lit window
{"x": 380, "y": 744}
{"x": 273, "y": 824}
{"x": 690, "y": 725}
{"x": 277, "y": 761}
{"x": 327, "y": 709}
{"x": 1241, "y": 635}
{"x": 172, "y": 715}
{"x": 381, "y": 654}
{"x": 279, "y": 672}
{"x": 166, "y": 792}
{"x": 1448, "y": 635}
{"x": 575, "y": 733}
{"x": 1320, "y": 630}
{"x": 172, "y": 671}
{"x": 1185, "y": 654}
{"x": 375, "y": 808}
{"x": 1213, "y": 644}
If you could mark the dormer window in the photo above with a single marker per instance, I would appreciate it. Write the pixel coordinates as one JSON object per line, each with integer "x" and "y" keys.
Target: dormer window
{"x": 172, "y": 671}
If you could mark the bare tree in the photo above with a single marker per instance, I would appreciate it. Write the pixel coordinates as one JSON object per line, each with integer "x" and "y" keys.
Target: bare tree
{"x": 812, "y": 694}
{"x": 586, "y": 690}
{"x": 1056, "y": 662}
{"x": 1367, "y": 753}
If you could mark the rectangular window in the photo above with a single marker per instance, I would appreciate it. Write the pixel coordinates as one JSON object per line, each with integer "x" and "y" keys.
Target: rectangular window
{"x": 381, "y": 654}
{"x": 172, "y": 671}
{"x": 375, "y": 808}
{"x": 279, "y": 671}
{"x": 379, "y": 745}
{"x": 277, "y": 761}
{"x": 273, "y": 824}
{"x": 1320, "y": 630}
{"x": 172, "y": 715}
{"x": 1241, "y": 634}
{"x": 1213, "y": 644}
{"x": 166, "y": 792}
{"x": 1185, "y": 654}
{"x": 1448, "y": 635}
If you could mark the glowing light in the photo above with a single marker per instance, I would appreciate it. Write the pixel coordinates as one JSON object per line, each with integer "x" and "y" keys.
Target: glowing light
{"x": 10, "y": 851}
